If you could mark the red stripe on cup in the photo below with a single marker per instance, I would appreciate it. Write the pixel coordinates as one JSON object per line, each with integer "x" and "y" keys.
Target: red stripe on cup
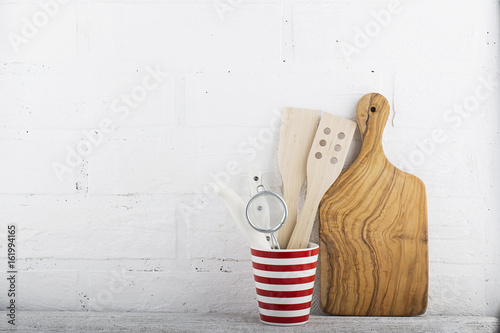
{"x": 285, "y": 294}
{"x": 284, "y": 254}
{"x": 284, "y": 268}
{"x": 287, "y": 281}
{"x": 284, "y": 320}
{"x": 284, "y": 307}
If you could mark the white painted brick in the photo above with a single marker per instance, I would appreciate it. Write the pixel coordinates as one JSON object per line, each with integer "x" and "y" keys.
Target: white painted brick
{"x": 455, "y": 288}
{"x": 27, "y": 163}
{"x": 492, "y": 291}
{"x": 320, "y": 29}
{"x": 223, "y": 265}
{"x": 456, "y": 219}
{"x": 132, "y": 232}
{"x": 433, "y": 100}
{"x": 459, "y": 251}
{"x": 213, "y": 141}
{"x": 463, "y": 152}
{"x": 212, "y": 169}
{"x": 134, "y": 166}
{"x": 98, "y": 232}
{"x": 52, "y": 38}
{"x": 213, "y": 234}
{"x": 189, "y": 158}
{"x": 251, "y": 100}
{"x": 180, "y": 32}
{"x": 122, "y": 240}
{"x": 50, "y": 290}
{"x": 458, "y": 231}
{"x": 446, "y": 171}
{"x": 461, "y": 39}
{"x": 82, "y": 100}
{"x": 231, "y": 160}
{"x": 181, "y": 291}
{"x": 45, "y": 231}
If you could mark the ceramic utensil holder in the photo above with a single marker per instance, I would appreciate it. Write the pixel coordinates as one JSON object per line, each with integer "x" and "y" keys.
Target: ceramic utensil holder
{"x": 284, "y": 280}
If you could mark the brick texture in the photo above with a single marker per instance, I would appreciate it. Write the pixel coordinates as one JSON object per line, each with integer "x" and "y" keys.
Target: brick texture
{"x": 116, "y": 118}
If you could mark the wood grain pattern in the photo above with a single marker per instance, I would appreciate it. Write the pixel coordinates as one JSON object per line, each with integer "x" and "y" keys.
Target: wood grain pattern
{"x": 324, "y": 164}
{"x": 298, "y": 128}
{"x": 373, "y": 231}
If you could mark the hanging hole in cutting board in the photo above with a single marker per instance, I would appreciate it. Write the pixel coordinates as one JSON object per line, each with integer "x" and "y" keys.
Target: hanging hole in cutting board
{"x": 373, "y": 109}
{"x": 318, "y": 155}
{"x": 322, "y": 143}
{"x": 334, "y": 160}
{"x": 327, "y": 131}
{"x": 341, "y": 135}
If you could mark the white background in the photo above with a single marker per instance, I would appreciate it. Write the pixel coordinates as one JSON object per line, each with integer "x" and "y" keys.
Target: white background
{"x": 126, "y": 228}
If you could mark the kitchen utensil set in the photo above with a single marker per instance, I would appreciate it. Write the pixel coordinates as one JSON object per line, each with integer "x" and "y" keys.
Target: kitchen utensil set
{"x": 306, "y": 149}
{"x": 373, "y": 250}
{"x": 298, "y": 128}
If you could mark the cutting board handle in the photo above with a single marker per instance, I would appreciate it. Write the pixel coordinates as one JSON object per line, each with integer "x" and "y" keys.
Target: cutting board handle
{"x": 372, "y": 112}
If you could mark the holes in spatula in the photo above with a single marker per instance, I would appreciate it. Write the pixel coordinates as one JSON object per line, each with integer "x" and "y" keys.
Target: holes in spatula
{"x": 334, "y": 160}
{"x": 322, "y": 143}
{"x": 341, "y": 135}
{"x": 337, "y": 147}
{"x": 373, "y": 109}
{"x": 327, "y": 130}
{"x": 318, "y": 155}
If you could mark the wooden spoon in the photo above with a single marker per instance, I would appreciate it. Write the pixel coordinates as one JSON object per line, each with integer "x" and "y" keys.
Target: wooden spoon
{"x": 298, "y": 127}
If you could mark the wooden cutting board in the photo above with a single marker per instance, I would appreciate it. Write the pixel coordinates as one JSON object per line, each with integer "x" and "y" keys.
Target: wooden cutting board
{"x": 373, "y": 258}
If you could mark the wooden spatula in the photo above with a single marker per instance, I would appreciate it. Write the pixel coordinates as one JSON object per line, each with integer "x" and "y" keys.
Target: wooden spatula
{"x": 298, "y": 127}
{"x": 324, "y": 164}
{"x": 373, "y": 231}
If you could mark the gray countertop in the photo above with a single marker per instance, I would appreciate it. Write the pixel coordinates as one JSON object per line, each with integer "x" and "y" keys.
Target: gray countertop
{"x": 27, "y": 321}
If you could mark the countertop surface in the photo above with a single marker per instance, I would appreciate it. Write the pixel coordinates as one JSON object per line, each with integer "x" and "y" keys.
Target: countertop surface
{"x": 27, "y": 321}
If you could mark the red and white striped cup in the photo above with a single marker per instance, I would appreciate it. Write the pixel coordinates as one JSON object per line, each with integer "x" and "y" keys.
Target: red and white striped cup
{"x": 284, "y": 280}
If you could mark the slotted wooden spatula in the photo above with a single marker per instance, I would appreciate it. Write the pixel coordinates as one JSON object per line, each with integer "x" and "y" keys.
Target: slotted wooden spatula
{"x": 298, "y": 127}
{"x": 324, "y": 164}
{"x": 373, "y": 257}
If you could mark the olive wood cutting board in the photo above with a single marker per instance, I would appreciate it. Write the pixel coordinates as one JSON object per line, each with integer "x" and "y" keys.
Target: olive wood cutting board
{"x": 373, "y": 258}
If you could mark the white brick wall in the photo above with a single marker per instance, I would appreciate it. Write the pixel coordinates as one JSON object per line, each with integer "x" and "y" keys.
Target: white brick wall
{"x": 121, "y": 232}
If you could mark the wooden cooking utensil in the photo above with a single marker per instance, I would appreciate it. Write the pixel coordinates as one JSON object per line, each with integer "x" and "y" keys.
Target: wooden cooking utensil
{"x": 373, "y": 231}
{"x": 324, "y": 164}
{"x": 298, "y": 127}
